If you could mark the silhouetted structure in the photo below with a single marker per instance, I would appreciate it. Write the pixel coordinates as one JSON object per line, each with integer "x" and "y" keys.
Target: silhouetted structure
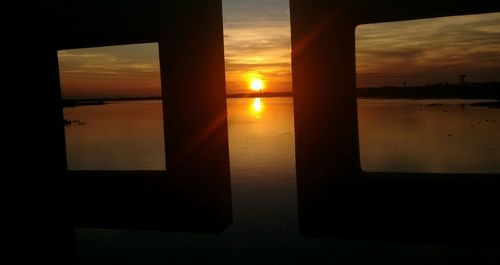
{"x": 194, "y": 192}
{"x": 335, "y": 197}
{"x": 338, "y": 199}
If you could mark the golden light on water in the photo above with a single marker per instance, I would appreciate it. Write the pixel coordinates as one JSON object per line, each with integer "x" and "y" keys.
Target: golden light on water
{"x": 257, "y": 105}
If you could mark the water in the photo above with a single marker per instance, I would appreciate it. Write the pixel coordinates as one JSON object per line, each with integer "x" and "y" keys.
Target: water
{"x": 123, "y": 135}
{"x": 265, "y": 228}
{"x": 434, "y": 136}
{"x": 261, "y": 137}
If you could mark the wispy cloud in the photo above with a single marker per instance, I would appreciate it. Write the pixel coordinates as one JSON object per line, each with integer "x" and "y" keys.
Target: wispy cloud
{"x": 107, "y": 61}
{"x": 420, "y": 49}
{"x": 257, "y": 39}
{"x": 128, "y": 70}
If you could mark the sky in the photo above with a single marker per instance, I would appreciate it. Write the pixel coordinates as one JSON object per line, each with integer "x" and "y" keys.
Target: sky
{"x": 112, "y": 71}
{"x": 429, "y": 51}
{"x": 257, "y": 46}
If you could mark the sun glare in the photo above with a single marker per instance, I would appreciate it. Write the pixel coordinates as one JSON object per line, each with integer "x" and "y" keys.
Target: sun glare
{"x": 254, "y": 80}
{"x": 257, "y": 105}
{"x": 257, "y": 85}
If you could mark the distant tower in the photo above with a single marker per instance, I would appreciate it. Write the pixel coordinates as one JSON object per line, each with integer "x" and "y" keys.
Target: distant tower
{"x": 462, "y": 79}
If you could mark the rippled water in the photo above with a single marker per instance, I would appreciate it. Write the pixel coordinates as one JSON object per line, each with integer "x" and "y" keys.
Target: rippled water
{"x": 395, "y": 135}
{"x": 435, "y": 136}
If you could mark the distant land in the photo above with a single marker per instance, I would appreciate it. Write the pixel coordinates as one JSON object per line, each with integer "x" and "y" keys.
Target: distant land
{"x": 260, "y": 95}
{"x": 70, "y": 103}
{"x": 67, "y": 103}
{"x": 488, "y": 90}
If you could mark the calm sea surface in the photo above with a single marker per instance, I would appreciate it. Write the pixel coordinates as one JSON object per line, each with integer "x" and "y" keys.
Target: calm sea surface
{"x": 395, "y": 135}
{"x": 434, "y": 136}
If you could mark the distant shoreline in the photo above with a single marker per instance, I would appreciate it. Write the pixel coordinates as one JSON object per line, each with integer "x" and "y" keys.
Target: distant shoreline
{"x": 67, "y": 103}
{"x": 77, "y": 103}
{"x": 260, "y": 95}
{"x": 101, "y": 101}
{"x": 489, "y": 90}
{"x": 486, "y": 91}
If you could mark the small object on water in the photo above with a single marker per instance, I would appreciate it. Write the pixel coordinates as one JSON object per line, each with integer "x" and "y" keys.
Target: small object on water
{"x": 449, "y": 134}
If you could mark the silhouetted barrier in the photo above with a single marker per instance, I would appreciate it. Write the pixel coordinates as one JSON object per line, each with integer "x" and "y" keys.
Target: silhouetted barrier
{"x": 147, "y": 200}
{"x": 336, "y": 198}
{"x": 194, "y": 192}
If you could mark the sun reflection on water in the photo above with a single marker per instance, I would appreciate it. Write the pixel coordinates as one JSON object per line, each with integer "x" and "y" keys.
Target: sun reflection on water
{"x": 257, "y": 104}
{"x": 257, "y": 107}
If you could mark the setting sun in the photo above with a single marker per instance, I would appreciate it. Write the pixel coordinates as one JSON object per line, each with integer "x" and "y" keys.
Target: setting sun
{"x": 255, "y": 80}
{"x": 257, "y": 84}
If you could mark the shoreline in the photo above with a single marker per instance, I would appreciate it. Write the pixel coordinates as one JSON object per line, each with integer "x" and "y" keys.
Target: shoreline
{"x": 77, "y": 103}
{"x": 493, "y": 103}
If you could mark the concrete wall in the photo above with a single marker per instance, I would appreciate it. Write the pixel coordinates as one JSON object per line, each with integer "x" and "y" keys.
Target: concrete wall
{"x": 338, "y": 199}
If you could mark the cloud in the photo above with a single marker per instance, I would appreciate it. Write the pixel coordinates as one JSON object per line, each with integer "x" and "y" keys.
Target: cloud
{"x": 108, "y": 61}
{"x": 255, "y": 11}
{"x": 126, "y": 70}
{"x": 257, "y": 39}
{"x": 448, "y": 45}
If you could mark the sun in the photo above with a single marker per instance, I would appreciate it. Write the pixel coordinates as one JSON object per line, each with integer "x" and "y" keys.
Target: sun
{"x": 255, "y": 81}
{"x": 256, "y": 84}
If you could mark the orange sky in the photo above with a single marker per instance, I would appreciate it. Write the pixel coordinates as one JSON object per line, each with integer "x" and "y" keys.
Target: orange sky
{"x": 257, "y": 44}
{"x": 429, "y": 51}
{"x": 113, "y": 71}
